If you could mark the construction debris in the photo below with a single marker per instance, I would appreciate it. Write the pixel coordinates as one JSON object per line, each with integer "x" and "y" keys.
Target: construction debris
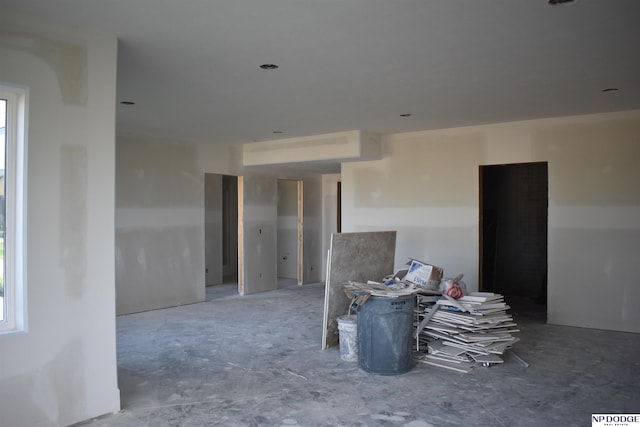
{"x": 424, "y": 275}
{"x": 454, "y": 329}
{"x": 458, "y": 334}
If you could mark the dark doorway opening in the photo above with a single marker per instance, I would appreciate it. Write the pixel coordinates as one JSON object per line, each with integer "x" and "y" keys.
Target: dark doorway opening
{"x": 339, "y": 209}
{"x": 513, "y": 230}
{"x": 230, "y": 228}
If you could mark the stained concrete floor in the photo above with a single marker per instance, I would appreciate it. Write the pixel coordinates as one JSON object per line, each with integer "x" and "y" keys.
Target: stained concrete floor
{"x": 256, "y": 361}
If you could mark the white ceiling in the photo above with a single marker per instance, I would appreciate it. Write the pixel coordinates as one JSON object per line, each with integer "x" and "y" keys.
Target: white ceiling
{"x": 192, "y": 66}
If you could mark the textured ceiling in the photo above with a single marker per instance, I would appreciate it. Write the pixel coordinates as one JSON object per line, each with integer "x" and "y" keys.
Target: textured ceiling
{"x": 192, "y": 66}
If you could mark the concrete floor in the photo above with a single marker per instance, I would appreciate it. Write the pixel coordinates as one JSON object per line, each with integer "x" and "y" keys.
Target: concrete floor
{"x": 256, "y": 361}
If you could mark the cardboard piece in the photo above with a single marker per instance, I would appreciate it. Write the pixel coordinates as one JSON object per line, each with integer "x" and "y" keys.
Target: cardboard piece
{"x": 424, "y": 275}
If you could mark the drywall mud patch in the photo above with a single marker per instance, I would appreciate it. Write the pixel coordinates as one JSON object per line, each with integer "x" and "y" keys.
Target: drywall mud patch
{"x": 73, "y": 217}
{"x": 68, "y": 61}
{"x": 54, "y": 395}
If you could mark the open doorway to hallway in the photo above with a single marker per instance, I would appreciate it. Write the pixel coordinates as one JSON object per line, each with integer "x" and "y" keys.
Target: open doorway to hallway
{"x": 221, "y": 229}
{"x": 513, "y": 230}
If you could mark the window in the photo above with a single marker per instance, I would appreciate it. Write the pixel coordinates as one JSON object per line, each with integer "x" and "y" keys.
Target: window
{"x": 13, "y": 107}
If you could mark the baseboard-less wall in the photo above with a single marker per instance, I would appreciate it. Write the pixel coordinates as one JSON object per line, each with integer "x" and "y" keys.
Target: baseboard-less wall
{"x": 160, "y": 224}
{"x": 427, "y": 189}
{"x": 62, "y": 368}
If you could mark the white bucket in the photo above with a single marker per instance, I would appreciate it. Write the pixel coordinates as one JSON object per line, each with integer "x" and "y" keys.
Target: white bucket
{"x": 348, "y": 329}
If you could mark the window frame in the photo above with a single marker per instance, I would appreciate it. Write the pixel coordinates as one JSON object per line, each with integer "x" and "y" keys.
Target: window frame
{"x": 15, "y": 283}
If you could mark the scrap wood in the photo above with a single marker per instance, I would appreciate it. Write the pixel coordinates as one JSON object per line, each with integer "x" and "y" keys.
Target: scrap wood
{"x": 458, "y": 367}
{"x": 488, "y": 359}
{"x": 357, "y": 299}
{"x": 377, "y": 289}
{"x": 447, "y": 358}
{"x": 520, "y": 360}
{"x": 455, "y": 303}
{"x": 424, "y": 321}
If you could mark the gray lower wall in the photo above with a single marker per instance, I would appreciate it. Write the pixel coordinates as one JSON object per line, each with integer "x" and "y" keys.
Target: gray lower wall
{"x": 159, "y": 224}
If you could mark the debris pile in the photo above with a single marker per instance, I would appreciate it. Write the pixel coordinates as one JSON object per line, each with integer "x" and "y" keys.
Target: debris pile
{"x": 419, "y": 277}
{"x": 461, "y": 333}
{"x": 454, "y": 329}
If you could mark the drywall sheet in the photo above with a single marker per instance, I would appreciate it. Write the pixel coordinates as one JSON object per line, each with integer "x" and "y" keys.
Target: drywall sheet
{"x": 358, "y": 257}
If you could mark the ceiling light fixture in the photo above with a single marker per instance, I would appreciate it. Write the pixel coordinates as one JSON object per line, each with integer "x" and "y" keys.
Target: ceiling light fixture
{"x": 127, "y": 103}
{"x": 269, "y": 67}
{"x": 277, "y": 131}
{"x": 405, "y": 115}
{"x": 610, "y": 89}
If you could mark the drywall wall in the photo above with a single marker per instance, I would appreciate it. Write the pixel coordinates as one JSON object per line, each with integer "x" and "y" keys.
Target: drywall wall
{"x": 329, "y": 212}
{"x": 339, "y": 146}
{"x": 426, "y": 188}
{"x": 160, "y": 222}
{"x": 258, "y": 224}
{"x": 313, "y": 253}
{"x": 62, "y": 370}
{"x": 213, "y": 229}
{"x": 287, "y": 228}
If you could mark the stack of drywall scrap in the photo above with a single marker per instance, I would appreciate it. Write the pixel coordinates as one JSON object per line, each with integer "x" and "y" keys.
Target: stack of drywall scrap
{"x": 474, "y": 329}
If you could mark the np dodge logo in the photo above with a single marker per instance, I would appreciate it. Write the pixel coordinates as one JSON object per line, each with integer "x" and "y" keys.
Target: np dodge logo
{"x": 615, "y": 420}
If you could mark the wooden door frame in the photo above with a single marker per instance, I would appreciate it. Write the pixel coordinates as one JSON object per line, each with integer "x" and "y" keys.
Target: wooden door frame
{"x": 300, "y": 233}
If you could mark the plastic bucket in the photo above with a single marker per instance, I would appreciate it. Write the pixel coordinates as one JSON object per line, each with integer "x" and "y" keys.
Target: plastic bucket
{"x": 385, "y": 328}
{"x": 348, "y": 330}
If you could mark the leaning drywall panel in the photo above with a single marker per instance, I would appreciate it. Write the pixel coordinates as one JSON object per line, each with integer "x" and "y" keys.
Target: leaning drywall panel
{"x": 356, "y": 257}
{"x": 63, "y": 370}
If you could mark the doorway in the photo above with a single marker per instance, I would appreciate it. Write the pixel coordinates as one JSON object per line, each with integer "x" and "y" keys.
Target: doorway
{"x": 513, "y": 230}
{"x": 221, "y": 229}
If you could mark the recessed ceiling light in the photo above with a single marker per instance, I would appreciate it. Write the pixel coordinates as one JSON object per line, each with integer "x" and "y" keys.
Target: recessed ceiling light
{"x": 610, "y": 89}
{"x": 405, "y": 115}
{"x": 269, "y": 67}
{"x": 127, "y": 103}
